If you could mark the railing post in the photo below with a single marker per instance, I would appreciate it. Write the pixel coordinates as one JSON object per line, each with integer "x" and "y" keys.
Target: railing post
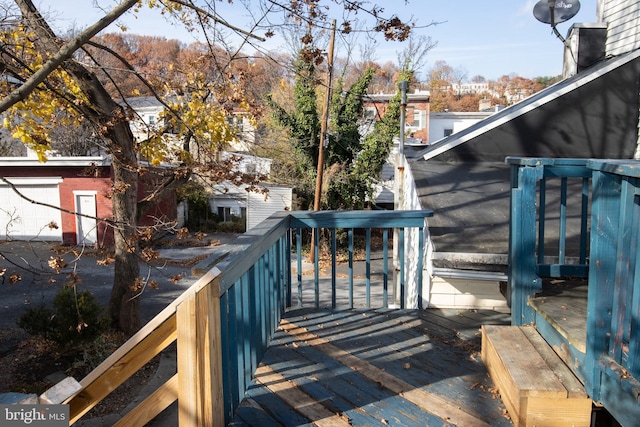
{"x": 199, "y": 345}
{"x": 299, "y": 267}
{"x": 351, "y": 249}
{"x": 316, "y": 266}
{"x": 402, "y": 276}
{"x": 334, "y": 248}
{"x": 523, "y": 281}
{"x": 605, "y": 213}
{"x": 385, "y": 268}
{"x": 368, "y": 267}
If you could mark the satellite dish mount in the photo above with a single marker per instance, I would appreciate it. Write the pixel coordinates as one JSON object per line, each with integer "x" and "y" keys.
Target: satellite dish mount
{"x": 554, "y": 12}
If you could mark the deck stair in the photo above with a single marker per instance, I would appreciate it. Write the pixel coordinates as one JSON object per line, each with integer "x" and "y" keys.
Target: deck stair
{"x": 535, "y": 385}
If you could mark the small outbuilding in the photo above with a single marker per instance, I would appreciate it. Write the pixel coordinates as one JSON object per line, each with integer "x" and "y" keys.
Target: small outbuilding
{"x": 66, "y": 199}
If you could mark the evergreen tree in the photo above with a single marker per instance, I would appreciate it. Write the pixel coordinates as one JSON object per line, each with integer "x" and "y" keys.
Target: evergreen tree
{"x": 374, "y": 152}
{"x": 303, "y": 123}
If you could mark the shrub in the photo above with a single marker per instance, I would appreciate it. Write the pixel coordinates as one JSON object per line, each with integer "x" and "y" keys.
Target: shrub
{"x": 236, "y": 225}
{"x": 76, "y": 318}
{"x": 37, "y": 321}
{"x": 79, "y": 316}
{"x": 199, "y": 215}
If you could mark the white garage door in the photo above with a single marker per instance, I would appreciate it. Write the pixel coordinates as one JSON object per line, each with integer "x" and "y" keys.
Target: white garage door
{"x": 22, "y": 220}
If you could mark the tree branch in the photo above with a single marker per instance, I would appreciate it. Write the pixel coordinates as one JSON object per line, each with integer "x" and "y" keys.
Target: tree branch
{"x": 133, "y": 70}
{"x": 15, "y": 71}
{"x": 169, "y": 184}
{"x": 214, "y": 18}
{"x": 144, "y": 81}
{"x": 65, "y": 52}
{"x": 35, "y": 202}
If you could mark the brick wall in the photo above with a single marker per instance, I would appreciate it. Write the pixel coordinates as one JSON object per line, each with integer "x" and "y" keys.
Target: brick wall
{"x": 76, "y": 179}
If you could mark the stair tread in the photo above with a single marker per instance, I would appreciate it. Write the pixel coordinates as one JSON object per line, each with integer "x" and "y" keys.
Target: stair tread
{"x": 560, "y": 369}
{"x": 530, "y": 372}
{"x": 535, "y": 385}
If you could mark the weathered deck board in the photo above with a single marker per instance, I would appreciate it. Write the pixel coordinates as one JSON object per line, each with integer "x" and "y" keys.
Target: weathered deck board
{"x": 259, "y": 397}
{"x": 563, "y": 303}
{"x": 392, "y": 382}
{"x": 376, "y": 367}
{"x": 328, "y": 380}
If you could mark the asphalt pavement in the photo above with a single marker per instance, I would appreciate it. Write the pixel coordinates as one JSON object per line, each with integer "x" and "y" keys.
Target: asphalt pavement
{"x": 28, "y": 279}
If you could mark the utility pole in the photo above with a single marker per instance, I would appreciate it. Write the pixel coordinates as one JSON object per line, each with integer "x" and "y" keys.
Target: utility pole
{"x": 325, "y": 119}
{"x": 323, "y": 131}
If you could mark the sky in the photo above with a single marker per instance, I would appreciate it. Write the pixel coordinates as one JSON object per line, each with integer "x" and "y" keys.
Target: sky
{"x": 484, "y": 38}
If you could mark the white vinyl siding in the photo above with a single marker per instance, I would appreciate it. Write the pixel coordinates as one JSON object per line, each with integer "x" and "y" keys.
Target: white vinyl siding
{"x": 623, "y": 21}
{"x": 260, "y": 207}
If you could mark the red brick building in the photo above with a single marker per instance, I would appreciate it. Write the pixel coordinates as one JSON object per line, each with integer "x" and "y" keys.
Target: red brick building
{"x": 74, "y": 185}
{"x": 417, "y": 112}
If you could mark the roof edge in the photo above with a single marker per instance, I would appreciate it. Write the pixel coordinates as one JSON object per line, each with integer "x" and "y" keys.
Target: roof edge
{"x": 534, "y": 101}
{"x": 55, "y": 161}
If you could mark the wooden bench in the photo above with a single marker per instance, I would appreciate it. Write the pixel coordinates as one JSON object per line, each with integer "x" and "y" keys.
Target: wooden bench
{"x": 535, "y": 385}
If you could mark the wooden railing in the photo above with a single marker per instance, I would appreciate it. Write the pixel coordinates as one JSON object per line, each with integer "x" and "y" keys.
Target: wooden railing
{"x": 612, "y": 370}
{"x": 607, "y": 253}
{"x": 223, "y": 323}
{"x": 410, "y": 227}
{"x": 548, "y": 235}
{"x": 189, "y": 321}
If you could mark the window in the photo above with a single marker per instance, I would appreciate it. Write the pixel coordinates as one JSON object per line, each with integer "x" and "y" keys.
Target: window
{"x": 224, "y": 214}
{"x": 250, "y": 168}
{"x": 369, "y": 113}
{"x": 236, "y": 121}
{"x": 152, "y": 120}
{"x": 448, "y": 132}
{"x": 419, "y": 119}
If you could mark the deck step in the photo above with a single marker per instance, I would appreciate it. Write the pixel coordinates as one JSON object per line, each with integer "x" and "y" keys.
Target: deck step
{"x": 535, "y": 385}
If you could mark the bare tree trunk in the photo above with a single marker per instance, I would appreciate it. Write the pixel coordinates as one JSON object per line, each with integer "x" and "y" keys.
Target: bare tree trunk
{"x": 110, "y": 118}
{"x": 124, "y": 304}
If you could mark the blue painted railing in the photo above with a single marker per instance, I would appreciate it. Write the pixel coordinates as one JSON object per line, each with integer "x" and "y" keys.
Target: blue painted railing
{"x": 540, "y": 191}
{"x": 613, "y": 322}
{"x": 256, "y": 285}
{"x": 607, "y": 253}
{"x": 222, "y": 324}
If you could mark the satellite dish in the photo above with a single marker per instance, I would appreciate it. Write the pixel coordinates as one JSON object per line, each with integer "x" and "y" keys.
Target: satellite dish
{"x": 563, "y": 11}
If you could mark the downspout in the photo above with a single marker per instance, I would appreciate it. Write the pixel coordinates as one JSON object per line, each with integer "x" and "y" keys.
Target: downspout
{"x": 636, "y": 154}
{"x": 399, "y": 203}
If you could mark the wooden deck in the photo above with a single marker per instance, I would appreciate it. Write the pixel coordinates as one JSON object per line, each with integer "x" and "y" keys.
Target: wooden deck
{"x": 375, "y": 367}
